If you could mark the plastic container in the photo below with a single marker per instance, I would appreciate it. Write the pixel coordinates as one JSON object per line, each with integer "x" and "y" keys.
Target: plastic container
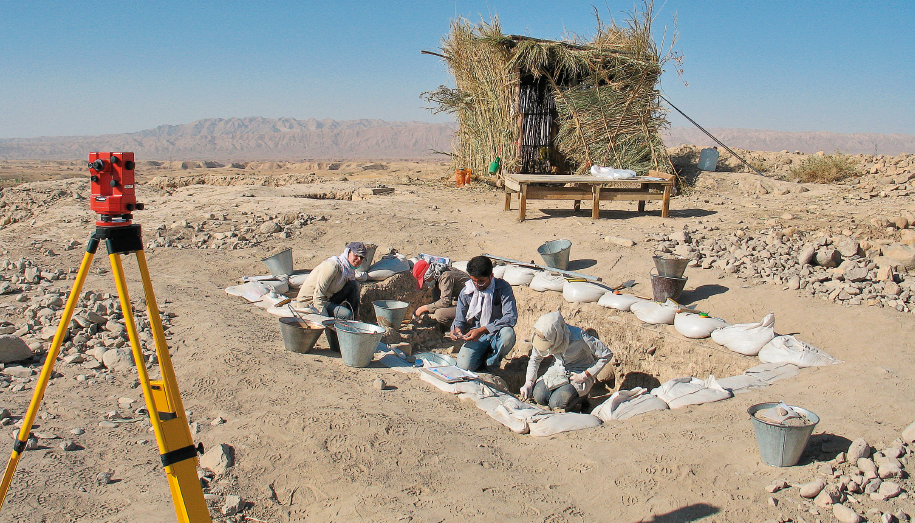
{"x": 280, "y": 263}
{"x": 298, "y": 335}
{"x": 357, "y": 341}
{"x": 494, "y": 166}
{"x": 459, "y": 177}
{"x": 390, "y": 313}
{"x": 555, "y": 253}
{"x": 708, "y": 159}
{"x": 781, "y": 445}
{"x": 664, "y": 288}
{"x": 670, "y": 267}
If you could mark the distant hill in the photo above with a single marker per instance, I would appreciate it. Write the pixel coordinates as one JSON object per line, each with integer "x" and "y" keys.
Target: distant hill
{"x": 806, "y": 142}
{"x": 256, "y": 138}
{"x": 252, "y": 138}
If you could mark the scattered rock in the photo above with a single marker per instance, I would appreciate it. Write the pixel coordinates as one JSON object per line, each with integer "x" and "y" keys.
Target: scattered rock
{"x": 858, "y": 449}
{"x": 908, "y": 435}
{"x": 378, "y": 384}
{"x": 104, "y": 478}
{"x": 13, "y": 348}
{"x": 232, "y": 505}
{"x": 622, "y": 242}
{"x": 218, "y": 458}
{"x": 68, "y": 445}
{"x": 845, "y": 514}
{"x": 810, "y": 490}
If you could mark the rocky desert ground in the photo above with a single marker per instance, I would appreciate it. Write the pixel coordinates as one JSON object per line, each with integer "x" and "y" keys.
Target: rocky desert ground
{"x": 301, "y": 437}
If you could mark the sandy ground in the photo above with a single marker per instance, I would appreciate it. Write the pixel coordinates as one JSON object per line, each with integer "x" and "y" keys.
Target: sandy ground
{"x": 314, "y": 441}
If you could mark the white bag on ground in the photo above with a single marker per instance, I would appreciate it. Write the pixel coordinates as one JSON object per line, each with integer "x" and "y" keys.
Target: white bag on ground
{"x": 460, "y": 265}
{"x": 655, "y": 313}
{"x": 625, "y": 404}
{"x": 746, "y": 338}
{"x": 564, "y": 422}
{"x": 516, "y": 276}
{"x": 499, "y": 270}
{"x": 545, "y": 281}
{"x": 697, "y": 326}
{"x": 788, "y": 349}
{"x": 620, "y": 302}
{"x": 680, "y": 392}
{"x": 388, "y": 266}
{"x": 582, "y": 292}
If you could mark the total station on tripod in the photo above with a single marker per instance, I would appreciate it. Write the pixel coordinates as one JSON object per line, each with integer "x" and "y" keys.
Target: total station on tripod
{"x": 113, "y": 194}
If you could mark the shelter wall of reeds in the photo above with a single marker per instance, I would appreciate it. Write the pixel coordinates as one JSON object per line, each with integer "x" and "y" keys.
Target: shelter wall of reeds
{"x": 555, "y": 106}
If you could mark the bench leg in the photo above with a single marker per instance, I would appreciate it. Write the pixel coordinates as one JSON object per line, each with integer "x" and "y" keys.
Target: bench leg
{"x": 508, "y": 200}
{"x": 576, "y": 206}
{"x": 641, "y": 205}
{"x": 522, "y": 208}
{"x": 595, "y": 205}
{"x": 665, "y": 203}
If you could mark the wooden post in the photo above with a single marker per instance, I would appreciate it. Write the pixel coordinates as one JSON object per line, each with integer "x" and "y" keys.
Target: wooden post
{"x": 508, "y": 199}
{"x": 522, "y": 209}
{"x": 641, "y": 205}
{"x": 595, "y": 196}
{"x": 665, "y": 203}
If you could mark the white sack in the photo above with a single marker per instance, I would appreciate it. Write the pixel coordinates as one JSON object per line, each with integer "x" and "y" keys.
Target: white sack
{"x": 460, "y": 265}
{"x": 695, "y": 326}
{"x": 515, "y": 275}
{"x": 611, "y": 173}
{"x": 564, "y": 422}
{"x": 655, "y": 313}
{"x": 625, "y": 404}
{"x": 296, "y": 280}
{"x": 680, "y": 392}
{"x": 746, "y": 338}
{"x": 545, "y": 281}
{"x": 499, "y": 270}
{"x": 620, "y": 302}
{"x": 388, "y": 266}
{"x": 582, "y": 292}
{"x": 788, "y": 349}
{"x": 742, "y": 383}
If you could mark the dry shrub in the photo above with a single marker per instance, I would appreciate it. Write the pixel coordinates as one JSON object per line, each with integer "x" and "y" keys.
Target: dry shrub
{"x": 825, "y": 169}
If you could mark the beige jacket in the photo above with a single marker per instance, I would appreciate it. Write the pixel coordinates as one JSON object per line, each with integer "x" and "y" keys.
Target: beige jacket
{"x": 323, "y": 282}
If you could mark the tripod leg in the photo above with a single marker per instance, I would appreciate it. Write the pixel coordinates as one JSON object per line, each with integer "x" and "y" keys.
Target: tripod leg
{"x": 163, "y": 401}
{"x": 45, "y": 376}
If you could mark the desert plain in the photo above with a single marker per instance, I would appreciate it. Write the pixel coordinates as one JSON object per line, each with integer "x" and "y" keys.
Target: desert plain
{"x": 313, "y": 440}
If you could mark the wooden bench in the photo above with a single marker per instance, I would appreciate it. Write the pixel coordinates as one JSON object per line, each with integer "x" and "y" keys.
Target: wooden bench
{"x": 578, "y": 188}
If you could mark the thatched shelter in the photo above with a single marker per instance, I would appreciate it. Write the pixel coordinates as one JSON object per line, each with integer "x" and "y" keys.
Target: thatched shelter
{"x": 555, "y": 106}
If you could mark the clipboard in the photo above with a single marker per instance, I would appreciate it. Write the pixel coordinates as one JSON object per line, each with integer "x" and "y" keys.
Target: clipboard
{"x": 450, "y": 373}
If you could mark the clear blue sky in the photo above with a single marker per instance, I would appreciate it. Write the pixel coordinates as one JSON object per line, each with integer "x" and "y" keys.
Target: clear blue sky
{"x": 86, "y": 68}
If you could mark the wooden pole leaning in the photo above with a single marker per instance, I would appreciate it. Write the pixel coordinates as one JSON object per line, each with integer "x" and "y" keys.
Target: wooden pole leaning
{"x": 163, "y": 400}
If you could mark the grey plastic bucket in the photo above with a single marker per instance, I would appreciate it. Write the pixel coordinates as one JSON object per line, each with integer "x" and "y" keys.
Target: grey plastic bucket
{"x": 357, "y": 341}
{"x": 664, "y": 288}
{"x": 390, "y": 313}
{"x": 298, "y": 335}
{"x": 781, "y": 445}
{"x": 555, "y": 253}
{"x": 670, "y": 267}
{"x": 280, "y": 263}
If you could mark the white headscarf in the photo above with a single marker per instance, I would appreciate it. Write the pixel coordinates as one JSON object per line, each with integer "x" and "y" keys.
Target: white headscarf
{"x": 347, "y": 270}
{"x": 480, "y": 301}
{"x": 553, "y": 328}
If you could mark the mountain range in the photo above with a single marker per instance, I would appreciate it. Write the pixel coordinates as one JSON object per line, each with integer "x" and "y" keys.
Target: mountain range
{"x": 256, "y": 138}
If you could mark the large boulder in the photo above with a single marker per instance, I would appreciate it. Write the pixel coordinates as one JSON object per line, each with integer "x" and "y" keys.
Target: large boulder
{"x": 900, "y": 254}
{"x": 13, "y": 348}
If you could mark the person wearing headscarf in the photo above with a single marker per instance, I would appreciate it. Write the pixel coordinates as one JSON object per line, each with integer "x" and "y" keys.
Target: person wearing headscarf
{"x": 484, "y": 318}
{"x": 446, "y": 283}
{"x": 332, "y": 287}
{"x": 578, "y": 356}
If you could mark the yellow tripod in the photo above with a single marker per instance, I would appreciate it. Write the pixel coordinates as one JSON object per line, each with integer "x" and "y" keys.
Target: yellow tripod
{"x": 163, "y": 400}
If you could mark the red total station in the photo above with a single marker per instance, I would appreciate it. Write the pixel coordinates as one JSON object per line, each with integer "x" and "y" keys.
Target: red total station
{"x": 113, "y": 196}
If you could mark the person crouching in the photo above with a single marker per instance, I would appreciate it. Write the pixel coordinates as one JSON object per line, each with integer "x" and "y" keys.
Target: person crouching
{"x": 446, "y": 283}
{"x": 332, "y": 287}
{"x": 579, "y": 357}
{"x": 485, "y": 317}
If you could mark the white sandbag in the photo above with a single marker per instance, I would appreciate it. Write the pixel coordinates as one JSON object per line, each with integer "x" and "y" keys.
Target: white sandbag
{"x": 460, "y": 265}
{"x": 516, "y": 276}
{"x": 697, "y": 326}
{"x": 746, "y": 338}
{"x": 582, "y": 292}
{"x": 564, "y": 422}
{"x": 655, "y": 313}
{"x": 388, "y": 266}
{"x": 625, "y": 404}
{"x": 499, "y": 270}
{"x": 546, "y": 281}
{"x": 680, "y": 392}
{"x": 742, "y": 383}
{"x": 619, "y": 301}
{"x": 296, "y": 280}
{"x": 788, "y": 349}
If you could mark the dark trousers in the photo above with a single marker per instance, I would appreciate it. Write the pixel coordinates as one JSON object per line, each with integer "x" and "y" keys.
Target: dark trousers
{"x": 349, "y": 294}
{"x": 565, "y": 397}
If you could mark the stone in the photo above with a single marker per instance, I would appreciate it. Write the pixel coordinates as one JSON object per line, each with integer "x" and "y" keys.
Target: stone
{"x": 901, "y": 516}
{"x": 218, "y": 458}
{"x": 378, "y": 384}
{"x": 856, "y": 274}
{"x": 680, "y": 237}
{"x": 810, "y": 490}
{"x": 776, "y": 486}
{"x": 848, "y": 247}
{"x": 773, "y": 502}
{"x": 887, "y": 490}
{"x": 233, "y": 505}
{"x": 103, "y": 478}
{"x": 889, "y": 470}
{"x": 900, "y": 254}
{"x": 858, "y": 449}
{"x": 794, "y": 283}
{"x": 13, "y": 348}
{"x": 270, "y": 227}
{"x": 622, "y": 242}
{"x": 828, "y": 257}
{"x": 118, "y": 360}
{"x": 96, "y": 318}
{"x": 866, "y": 465}
{"x": 828, "y": 496}
{"x": 115, "y": 328}
{"x": 908, "y": 435}
{"x": 77, "y": 431}
{"x": 18, "y": 371}
{"x": 68, "y": 445}
{"x": 845, "y": 514}
{"x": 105, "y": 424}
{"x": 805, "y": 257}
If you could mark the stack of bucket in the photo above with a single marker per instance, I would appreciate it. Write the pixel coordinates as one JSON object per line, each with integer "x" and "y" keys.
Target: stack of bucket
{"x": 462, "y": 177}
{"x": 668, "y": 283}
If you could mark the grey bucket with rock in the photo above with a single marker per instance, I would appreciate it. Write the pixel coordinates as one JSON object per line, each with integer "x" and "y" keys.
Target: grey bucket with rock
{"x": 390, "y": 313}
{"x": 555, "y": 253}
{"x": 298, "y": 335}
{"x": 280, "y": 263}
{"x": 781, "y": 445}
{"x": 357, "y": 341}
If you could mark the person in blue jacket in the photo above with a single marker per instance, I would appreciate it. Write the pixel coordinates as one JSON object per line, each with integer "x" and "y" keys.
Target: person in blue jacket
{"x": 485, "y": 317}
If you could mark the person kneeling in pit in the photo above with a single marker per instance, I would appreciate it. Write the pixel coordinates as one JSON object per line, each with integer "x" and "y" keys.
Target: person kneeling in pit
{"x": 485, "y": 317}
{"x": 332, "y": 286}
{"x": 579, "y": 358}
{"x": 447, "y": 284}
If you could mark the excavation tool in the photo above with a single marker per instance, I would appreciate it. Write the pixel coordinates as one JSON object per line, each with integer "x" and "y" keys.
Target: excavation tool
{"x": 570, "y": 274}
{"x": 114, "y": 199}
